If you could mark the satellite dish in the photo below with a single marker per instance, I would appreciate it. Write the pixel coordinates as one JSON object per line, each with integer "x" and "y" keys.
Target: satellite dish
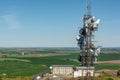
{"x": 83, "y": 31}
{"x": 96, "y": 23}
{"x": 77, "y": 38}
{"x": 91, "y": 50}
{"x": 98, "y": 50}
{"x": 50, "y": 67}
{"x": 38, "y": 77}
{"x": 80, "y": 58}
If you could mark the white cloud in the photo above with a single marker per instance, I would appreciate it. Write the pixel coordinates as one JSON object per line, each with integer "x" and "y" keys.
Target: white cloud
{"x": 11, "y": 20}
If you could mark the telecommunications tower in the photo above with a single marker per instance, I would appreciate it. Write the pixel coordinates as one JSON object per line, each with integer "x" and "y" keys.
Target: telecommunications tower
{"x": 89, "y": 52}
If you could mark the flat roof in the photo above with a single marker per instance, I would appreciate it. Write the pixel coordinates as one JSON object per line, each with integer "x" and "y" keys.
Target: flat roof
{"x": 84, "y": 67}
{"x": 62, "y": 65}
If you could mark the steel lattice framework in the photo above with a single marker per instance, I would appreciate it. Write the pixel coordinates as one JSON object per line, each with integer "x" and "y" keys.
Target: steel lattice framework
{"x": 89, "y": 52}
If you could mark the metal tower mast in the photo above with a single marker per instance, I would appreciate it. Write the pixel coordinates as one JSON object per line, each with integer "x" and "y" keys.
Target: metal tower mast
{"x": 89, "y": 52}
{"x": 85, "y": 39}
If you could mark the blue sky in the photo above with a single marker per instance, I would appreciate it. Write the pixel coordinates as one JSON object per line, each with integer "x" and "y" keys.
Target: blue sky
{"x": 55, "y": 23}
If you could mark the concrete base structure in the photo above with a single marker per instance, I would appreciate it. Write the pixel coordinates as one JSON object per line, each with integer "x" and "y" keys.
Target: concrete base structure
{"x": 70, "y": 70}
{"x": 84, "y": 71}
{"x": 62, "y": 69}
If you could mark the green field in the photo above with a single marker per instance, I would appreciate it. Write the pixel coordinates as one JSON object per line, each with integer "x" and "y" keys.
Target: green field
{"x": 28, "y": 66}
{"x": 106, "y": 57}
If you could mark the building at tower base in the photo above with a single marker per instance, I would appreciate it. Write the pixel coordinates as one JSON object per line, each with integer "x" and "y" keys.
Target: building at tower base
{"x": 71, "y": 71}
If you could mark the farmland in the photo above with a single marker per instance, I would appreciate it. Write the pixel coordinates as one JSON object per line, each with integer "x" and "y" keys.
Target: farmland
{"x": 38, "y": 60}
{"x": 15, "y": 64}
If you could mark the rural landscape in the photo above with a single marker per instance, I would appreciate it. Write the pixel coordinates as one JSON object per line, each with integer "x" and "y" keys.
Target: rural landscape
{"x": 59, "y": 40}
{"x": 25, "y": 63}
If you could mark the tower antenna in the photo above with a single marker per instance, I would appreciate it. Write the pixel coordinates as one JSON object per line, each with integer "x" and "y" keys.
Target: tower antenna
{"x": 88, "y": 6}
{"x": 89, "y": 52}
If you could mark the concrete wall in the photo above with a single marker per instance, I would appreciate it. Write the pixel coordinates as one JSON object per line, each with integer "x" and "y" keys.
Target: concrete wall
{"x": 62, "y": 70}
{"x": 83, "y": 71}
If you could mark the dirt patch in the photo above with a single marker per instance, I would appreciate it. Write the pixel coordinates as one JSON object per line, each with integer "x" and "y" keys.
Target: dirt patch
{"x": 111, "y": 52}
{"x": 110, "y": 72}
{"x": 43, "y": 65}
{"x": 1, "y": 59}
{"x": 42, "y": 55}
{"x": 14, "y": 59}
{"x": 108, "y": 62}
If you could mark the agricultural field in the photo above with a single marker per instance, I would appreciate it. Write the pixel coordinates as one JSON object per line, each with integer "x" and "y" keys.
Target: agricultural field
{"x": 27, "y": 62}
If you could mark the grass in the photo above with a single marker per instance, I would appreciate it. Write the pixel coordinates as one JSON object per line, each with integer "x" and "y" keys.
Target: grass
{"x": 29, "y": 66}
{"x": 17, "y": 78}
{"x": 19, "y": 66}
{"x": 107, "y": 66}
{"x": 14, "y": 59}
{"x": 106, "y": 57}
